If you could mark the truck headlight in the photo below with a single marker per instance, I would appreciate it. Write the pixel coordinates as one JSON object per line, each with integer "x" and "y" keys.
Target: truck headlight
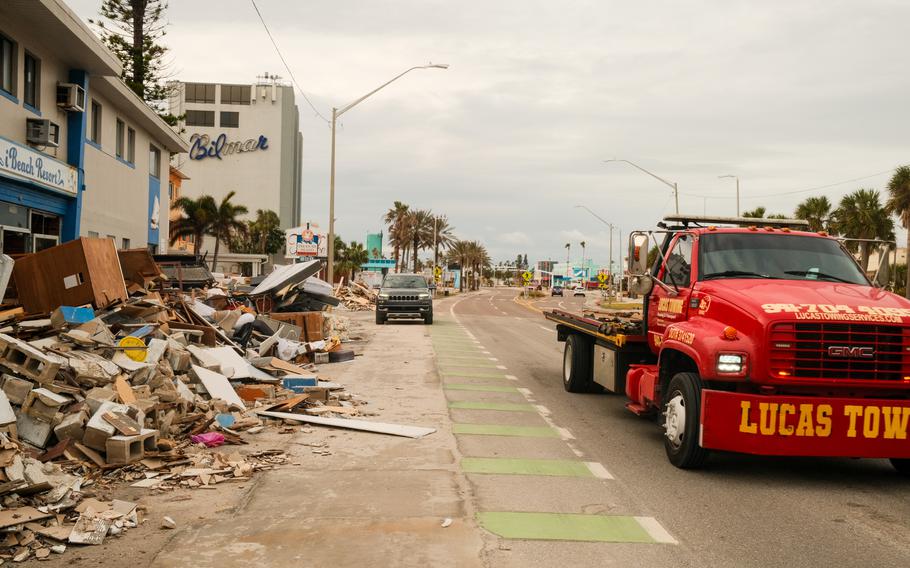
{"x": 729, "y": 363}
{"x": 423, "y": 296}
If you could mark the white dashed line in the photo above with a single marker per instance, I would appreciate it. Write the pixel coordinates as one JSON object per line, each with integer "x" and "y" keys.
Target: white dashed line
{"x": 501, "y": 367}
{"x": 654, "y": 528}
{"x": 525, "y": 392}
{"x": 546, "y": 328}
{"x": 492, "y": 358}
{"x": 511, "y": 377}
{"x": 598, "y": 470}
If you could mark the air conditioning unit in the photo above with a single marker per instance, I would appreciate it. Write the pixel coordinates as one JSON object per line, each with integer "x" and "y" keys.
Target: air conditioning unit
{"x": 42, "y": 132}
{"x": 70, "y": 97}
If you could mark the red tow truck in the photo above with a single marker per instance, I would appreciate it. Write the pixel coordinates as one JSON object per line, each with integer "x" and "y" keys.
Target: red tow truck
{"x": 757, "y": 336}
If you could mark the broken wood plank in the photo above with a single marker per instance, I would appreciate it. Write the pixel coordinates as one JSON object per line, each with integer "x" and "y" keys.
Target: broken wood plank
{"x": 289, "y": 403}
{"x": 126, "y": 394}
{"x": 123, "y": 423}
{"x": 21, "y": 515}
{"x": 364, "y": 425}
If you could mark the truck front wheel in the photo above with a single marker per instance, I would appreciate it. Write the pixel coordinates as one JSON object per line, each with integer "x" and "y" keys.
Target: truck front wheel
{"x": 576, "y": 364}
{"x": 901, "y": 465}
{"x": 681, "y": 421}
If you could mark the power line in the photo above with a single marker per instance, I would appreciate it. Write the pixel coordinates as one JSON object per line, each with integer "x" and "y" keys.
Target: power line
{"x": 286, "y": 66}
{"x": 816, "y": 188}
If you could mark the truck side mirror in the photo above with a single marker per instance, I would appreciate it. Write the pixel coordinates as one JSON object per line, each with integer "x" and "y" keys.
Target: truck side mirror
{"x": 641, "y": 284}
{"x": 638, "y": 253}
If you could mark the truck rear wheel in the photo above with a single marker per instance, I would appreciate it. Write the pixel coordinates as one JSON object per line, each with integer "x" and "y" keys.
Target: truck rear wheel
{"x": 902, "y": 465}
{"x": 576, "y": 364}
{"x": 681, "y": 421}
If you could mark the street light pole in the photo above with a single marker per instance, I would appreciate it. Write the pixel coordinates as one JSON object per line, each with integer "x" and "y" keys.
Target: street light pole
{"x": 607, "y": 223}
{"x": 330, "y": 271}
{"x": 737, "y": 189}
{"x": 655, "y": 176}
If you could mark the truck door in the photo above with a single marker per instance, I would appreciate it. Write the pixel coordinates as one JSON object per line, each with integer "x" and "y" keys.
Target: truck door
{"x": 667, "y": 307}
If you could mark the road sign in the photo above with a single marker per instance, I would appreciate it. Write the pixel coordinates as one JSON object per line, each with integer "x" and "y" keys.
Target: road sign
{"x": 602, "y": 277}
{"x": 603, "y": 285}
{"x": 527, "y": 276}
{"x": 437, "y": 271}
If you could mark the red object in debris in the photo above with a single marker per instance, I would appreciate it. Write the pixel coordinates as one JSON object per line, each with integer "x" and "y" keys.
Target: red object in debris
{"x": 209, "y": 439}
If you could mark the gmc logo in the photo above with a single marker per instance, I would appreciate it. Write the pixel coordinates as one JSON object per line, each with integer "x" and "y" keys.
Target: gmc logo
{"x": 844, "y": 352}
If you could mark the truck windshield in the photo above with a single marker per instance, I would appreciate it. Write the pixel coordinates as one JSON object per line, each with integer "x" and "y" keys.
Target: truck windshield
{"x": 404, "y": 281}
{"x": 787, "y": 257}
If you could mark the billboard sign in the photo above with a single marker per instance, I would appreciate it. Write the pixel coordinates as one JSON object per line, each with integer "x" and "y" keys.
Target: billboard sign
{"x": 305, "y": 242}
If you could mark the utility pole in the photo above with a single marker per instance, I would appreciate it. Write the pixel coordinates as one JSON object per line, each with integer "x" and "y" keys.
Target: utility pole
{"x": 737, "y": 189}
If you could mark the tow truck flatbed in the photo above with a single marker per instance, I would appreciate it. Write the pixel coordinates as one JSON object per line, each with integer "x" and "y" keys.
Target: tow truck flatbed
{"x": 605, "y": 330}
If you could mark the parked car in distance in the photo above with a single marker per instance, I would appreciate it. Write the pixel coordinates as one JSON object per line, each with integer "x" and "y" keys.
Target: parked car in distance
{"x": 578, "y": 290}
{"x": 404, "y": 296}
{"x": 556, "y": 291}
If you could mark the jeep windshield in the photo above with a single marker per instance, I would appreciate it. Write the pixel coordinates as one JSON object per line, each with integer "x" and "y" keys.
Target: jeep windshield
{"x": 777, "y": 256}
{"x": 404, "y": 281}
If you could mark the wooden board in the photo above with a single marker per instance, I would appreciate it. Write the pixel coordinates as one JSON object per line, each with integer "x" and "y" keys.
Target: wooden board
{"x": 351, "y": 424}
{"x": 123, "y": 423}
{"x": 21, "y": 515}
{"x": 126, "y": 394}
{"x": 288, "y": 367}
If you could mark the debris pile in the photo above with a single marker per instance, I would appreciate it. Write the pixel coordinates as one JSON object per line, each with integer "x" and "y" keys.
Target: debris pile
{"x": 104, "y": 379}
{"x": 355, "y": 296}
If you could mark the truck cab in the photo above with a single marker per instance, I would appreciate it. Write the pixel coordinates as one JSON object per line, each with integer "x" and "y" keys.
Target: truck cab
{"x": 761, "y": 337}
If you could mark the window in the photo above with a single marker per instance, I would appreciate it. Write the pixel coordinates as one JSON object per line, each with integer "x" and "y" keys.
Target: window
{"x": 126, "y": 243}
{"x": 200, "y": 118}
{"x": 32, "y": 93}
{"x": 131, "y": 145}
{"x": 7, "y": 65}
{"x": 43, "y": 224}
{"x": 96, "y": 122}
{"x": 121, "y": 130}
{"x": 170, "y": 191}
{"x": 230, "y": 119}
{"x": 93, "y": 234}
{"x": 199, "y": 93}
{"x": 154, "y": 162}
{"x": 235, "y": 94}
{"x": 678, "y": 271}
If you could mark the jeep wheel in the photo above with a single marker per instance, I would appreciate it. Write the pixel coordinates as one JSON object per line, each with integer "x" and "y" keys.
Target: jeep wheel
{"x": 428, "y": 319}
{"x": 380, "y": 318}
{"x": 681, "y": 422}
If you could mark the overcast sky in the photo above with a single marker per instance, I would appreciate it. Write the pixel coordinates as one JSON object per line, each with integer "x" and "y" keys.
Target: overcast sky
{"x": 788, "y": 95}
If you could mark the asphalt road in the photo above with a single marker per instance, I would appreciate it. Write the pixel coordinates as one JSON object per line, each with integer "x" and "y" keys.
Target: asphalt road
{"x": 738, "y": 511}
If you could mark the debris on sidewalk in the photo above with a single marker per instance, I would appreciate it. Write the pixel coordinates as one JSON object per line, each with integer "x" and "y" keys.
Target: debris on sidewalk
{"x": 113, "y": 372}
{"x": 355, "y": 296}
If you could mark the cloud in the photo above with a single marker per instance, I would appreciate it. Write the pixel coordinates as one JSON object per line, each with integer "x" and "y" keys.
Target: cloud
{"x": 515, "y": 238}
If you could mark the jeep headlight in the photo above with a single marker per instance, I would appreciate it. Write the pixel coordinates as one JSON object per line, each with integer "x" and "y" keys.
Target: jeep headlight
{"x": 729, "y": 363}
{"x": 383, "y": 296}
{"x": 424, "y": 296}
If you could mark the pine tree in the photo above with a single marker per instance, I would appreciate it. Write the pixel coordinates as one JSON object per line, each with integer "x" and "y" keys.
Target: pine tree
{"x": 133, "y": 30}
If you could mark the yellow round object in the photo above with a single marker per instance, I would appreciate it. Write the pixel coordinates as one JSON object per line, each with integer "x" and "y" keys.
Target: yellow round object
{"x": 134, "y": 354}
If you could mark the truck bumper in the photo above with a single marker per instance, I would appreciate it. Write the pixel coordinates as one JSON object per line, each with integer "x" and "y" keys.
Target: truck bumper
{"x": 805, "y": 426}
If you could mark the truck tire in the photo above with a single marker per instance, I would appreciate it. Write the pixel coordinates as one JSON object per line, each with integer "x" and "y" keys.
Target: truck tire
{"x": 576, "y": 364}
{"x": 902, "y": 465}
{"x": 681, "y": 411}
{"x": 428, "y": 319}
{"x": 380, "y": 318}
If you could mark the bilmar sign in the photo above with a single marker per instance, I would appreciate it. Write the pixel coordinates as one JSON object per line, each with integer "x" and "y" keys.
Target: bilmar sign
{"x": 24, "y": 163}
{"x": 204, "y": 147}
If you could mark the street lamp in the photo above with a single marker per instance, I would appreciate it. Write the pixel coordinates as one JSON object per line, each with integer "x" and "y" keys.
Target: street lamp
{"x": 655, "y": 176}
{"x": 609, "y": 224}
{"x": 737, "y": 189}
{"x": 336, "y": 112}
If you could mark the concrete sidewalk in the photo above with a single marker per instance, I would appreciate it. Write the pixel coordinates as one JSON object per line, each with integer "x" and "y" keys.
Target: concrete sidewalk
{"x": 375, "y": 501}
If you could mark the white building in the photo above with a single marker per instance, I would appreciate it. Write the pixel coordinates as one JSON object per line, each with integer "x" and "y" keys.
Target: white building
{"x": 80, "y": 153}
{"x": 243, "y": 138}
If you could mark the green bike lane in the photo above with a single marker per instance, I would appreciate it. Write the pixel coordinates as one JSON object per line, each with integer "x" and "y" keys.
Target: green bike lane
{"x": 533, "y": 490}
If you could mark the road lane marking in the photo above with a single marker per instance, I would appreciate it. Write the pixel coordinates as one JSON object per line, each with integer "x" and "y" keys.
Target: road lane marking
{"x": 493, "y": 358}
{"x": 563, "y": 526}
{"x": 545, "y": 328}
{"x": 598, "y": 470}
{"x": 502, "y": 430}
{"x": 656, "y": 530}
{"x": 472, "y": 375}
{"x": 478, "y": 388}
{"x": 463, "y": 358}
{"x": 477, "y": 405}
{"x": 525, "y": 392}
{"x": 512, "y": 466}
{"x": 503, "y": 367}
{"x": 464, "y": 364}
{"x": 511, "y": 377}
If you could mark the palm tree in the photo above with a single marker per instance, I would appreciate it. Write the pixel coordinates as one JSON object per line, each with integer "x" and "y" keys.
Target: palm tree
{"x": 394, "y": 218}
{"x": 444, "y": 237}
{"x": 899, "y": 204}
{"x": 584, "y": 272}
{"x": 352, "y": 258}
{"x": 195, "y": 221}
{"x": 757, "y": 213}
{"x": 419, "y": 227}
{"x": 862, "y": 216}
{"x": 225, "y": 223}
{"x": 479, "y": 259}
{"x": 265, "y": 231}
{"x": 815, "y": 210}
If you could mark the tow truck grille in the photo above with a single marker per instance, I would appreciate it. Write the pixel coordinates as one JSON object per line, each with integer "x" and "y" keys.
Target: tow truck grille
{"x": 860, "y": 351}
